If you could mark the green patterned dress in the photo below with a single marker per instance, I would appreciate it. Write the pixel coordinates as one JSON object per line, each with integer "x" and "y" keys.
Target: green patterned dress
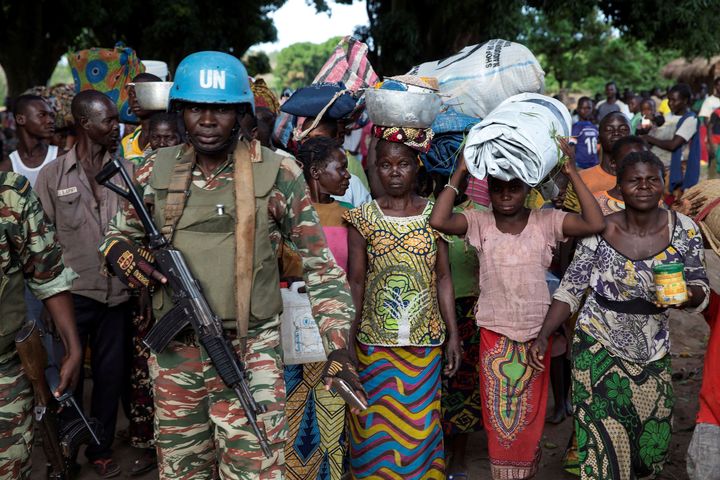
{"x": 622, "y": 390}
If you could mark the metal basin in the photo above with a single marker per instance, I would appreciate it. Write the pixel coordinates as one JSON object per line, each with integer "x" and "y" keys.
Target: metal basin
{"x": 153, "y": 95}
{"x": 392, "y": 108}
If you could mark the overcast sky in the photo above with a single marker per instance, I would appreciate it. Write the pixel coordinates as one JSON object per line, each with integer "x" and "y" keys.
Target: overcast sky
{"x": 296, "y": 21}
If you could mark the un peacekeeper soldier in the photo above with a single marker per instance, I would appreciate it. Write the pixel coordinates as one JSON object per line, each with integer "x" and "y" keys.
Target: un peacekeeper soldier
{"x": 28, "y": 253}
{"x": 200, "y": 425}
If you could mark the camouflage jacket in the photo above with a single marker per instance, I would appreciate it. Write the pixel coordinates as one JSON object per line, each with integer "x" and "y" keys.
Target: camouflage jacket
{"x": 27, "y": 239}
{"x": 292, "y": 218}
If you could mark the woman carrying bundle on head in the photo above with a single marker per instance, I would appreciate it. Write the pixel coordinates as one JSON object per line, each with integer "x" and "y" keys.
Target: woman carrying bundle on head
{"x": 622, "y": 390}
{"x": 514, "y": 247}
{"x": 399, "y": 275}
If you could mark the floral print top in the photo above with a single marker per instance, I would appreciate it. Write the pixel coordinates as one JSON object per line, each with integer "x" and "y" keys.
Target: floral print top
{"x": 400, "y": 306}
{"x": 607, "y": 272}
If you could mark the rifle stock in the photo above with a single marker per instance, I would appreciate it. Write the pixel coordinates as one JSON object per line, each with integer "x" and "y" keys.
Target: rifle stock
{"x": 33, "y": 358}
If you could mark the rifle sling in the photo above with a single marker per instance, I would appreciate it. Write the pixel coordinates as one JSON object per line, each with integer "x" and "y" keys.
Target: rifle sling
{"x": 178, "y": 191}
{"x": 245, "y": 154}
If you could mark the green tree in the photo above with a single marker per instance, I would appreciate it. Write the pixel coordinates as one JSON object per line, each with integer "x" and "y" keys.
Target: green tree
{"x": 296, "y": 65}
{"x": 562, "y": 43}
{"x": 403, "y": 33}
{"x": 689, "y": 26}
{"x": 585, "y": 52}
{"x": 34, "y": 34}
{"x": 257, "y": 63}
{"x": 628, "y": 62}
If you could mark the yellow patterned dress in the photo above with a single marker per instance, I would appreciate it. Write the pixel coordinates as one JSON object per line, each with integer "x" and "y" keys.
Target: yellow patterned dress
{"x": 399, "y": 350}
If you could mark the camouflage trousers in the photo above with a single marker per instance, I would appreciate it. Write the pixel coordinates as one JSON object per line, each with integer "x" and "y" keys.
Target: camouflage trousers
{"x": 200, "y": 427}
{"x": 16, "y": 433}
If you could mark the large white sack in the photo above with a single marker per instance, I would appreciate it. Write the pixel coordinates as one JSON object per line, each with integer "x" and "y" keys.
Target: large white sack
{"x": 517, "y": 139}
{"x": 479, "y": 77}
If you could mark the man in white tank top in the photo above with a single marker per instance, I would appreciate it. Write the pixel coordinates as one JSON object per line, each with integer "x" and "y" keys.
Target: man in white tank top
{"x": 35, "y": 121}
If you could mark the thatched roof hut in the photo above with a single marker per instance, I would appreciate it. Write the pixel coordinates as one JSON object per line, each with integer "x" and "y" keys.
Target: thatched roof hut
{"x": 694, "y": 72}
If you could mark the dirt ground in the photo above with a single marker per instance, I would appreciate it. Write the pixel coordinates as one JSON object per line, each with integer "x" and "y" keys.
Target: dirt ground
{"x": 689, "y": 338}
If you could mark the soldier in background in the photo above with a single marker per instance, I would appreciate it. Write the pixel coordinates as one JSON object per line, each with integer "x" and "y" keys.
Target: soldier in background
{"x": 29, "y": 253}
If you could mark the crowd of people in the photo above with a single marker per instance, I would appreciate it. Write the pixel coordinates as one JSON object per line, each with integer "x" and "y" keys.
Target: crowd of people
{"x": 448, "y": 304}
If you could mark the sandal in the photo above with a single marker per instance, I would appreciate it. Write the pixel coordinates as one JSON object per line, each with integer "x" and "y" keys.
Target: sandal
{"x": 144, "y": 463}
{"x": 105, "y": 467}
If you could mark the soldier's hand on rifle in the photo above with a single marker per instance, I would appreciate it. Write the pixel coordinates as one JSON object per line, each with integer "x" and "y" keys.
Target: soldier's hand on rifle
{"x": 340, "y": 364}
{"x": 69, "y": 373}
{"x": 60, "y": 308}
{"x": 133, "y": 265}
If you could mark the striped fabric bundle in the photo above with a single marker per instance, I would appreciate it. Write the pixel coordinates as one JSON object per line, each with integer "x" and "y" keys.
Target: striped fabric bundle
{"x": 348, "y": 64}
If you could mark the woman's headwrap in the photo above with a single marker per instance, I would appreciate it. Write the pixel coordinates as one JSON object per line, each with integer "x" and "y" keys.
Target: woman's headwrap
{"x": 418, "y": 139}
{"x": 264, "y": 97}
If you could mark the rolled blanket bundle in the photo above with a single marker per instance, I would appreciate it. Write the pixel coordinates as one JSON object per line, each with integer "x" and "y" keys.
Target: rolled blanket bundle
{"x": 518, "y": 139}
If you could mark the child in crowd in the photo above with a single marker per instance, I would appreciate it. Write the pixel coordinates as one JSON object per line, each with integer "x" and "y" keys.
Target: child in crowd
{"x": 515, "y": 250}
{"x": 164, "y": 130}
{"x": 650, "y": 117}
{"x": 586, "y": 133}
{"x": 462, "y": 414}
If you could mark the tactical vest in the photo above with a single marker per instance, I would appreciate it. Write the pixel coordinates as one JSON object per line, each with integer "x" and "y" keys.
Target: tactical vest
{"x": 205, "y": 234}
{"x": 12, "y": 286}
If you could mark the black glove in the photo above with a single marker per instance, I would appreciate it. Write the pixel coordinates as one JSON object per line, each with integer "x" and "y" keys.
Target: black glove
{"x": 132, "y": 265}
{"x": 340, "y": 364}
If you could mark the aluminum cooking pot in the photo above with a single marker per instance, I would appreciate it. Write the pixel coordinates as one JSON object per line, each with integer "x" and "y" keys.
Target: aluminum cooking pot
{"x": 392, "y": 108}
{"x": 153, "y": 95}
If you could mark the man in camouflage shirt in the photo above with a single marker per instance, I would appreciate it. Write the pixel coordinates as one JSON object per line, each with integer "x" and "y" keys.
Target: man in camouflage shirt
{"x": 200, "y": 425}
{"x": 29, "y": 254}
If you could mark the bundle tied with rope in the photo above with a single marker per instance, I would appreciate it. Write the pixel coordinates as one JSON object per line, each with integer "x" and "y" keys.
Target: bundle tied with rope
{"x": 349, "y": 65}
{"x": 319, "y": 101}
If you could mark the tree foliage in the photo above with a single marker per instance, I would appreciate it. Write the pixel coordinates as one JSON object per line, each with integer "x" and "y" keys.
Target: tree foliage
{"x": 35, "y": 34}
{"x": 257, "y": 63}
{"x": 686, "y": 25}
{"x": 562, "y": 42}
{"x": 403, "y": 33}
{"x": 297, "y": 64}
{"x": 585, "y": 52}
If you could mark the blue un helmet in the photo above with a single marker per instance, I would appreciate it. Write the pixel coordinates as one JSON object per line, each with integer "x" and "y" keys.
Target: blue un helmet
{"x": 211, "y": 77}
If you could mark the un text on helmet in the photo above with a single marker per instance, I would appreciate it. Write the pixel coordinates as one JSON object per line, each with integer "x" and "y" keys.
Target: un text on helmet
{"x": 212, "y": 79}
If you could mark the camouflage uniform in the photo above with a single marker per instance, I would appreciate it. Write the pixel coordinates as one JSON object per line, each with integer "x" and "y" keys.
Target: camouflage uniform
{"x": 28, "y": 253}
{"x": 191, "y": 440}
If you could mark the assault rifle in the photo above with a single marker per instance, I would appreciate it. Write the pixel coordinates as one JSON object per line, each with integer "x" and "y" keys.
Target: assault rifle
{"x": 40, "y": 353}
{"x": 190, "y": 305}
